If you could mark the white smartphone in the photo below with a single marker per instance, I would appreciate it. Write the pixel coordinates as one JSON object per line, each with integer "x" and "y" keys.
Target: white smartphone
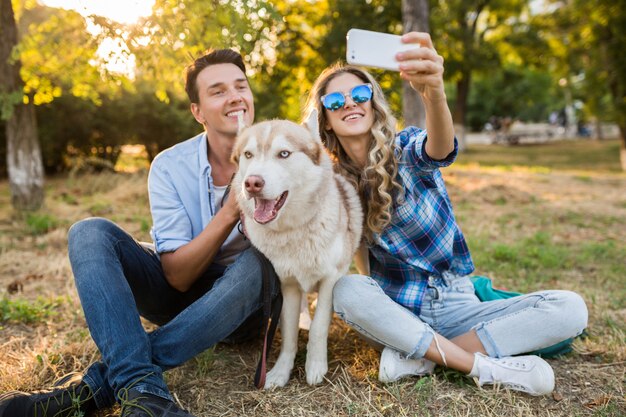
{"x": 374, "y": 49}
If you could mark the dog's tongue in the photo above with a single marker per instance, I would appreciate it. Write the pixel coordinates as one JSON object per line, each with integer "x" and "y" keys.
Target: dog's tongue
{"x": 264, "y": 210}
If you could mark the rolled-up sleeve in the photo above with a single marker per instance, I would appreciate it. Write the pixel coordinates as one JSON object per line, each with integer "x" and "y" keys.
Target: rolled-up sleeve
{"x": 412, "y": 144}
{"x": 171, "y": 225}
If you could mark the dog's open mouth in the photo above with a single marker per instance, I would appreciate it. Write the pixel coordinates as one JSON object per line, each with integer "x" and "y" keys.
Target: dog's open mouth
{"x": 266, "y": 210}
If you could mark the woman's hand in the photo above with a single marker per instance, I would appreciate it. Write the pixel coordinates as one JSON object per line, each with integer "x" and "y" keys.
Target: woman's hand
{"x": 422, "y": 66}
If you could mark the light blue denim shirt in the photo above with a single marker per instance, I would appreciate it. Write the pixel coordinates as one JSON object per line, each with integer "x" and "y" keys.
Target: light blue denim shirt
{"x": 182, "y": 196}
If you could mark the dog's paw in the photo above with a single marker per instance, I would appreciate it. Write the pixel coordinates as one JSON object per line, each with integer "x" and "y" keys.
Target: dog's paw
{"x": 315, "y": 371}
{"x": 277, "y": 378}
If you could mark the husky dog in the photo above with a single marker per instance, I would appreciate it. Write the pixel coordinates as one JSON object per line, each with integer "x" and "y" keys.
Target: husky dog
{"x": 306, "y": 219}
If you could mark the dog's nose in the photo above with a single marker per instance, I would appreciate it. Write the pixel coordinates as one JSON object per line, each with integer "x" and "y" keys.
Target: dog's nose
{"x": 254, "y": 184}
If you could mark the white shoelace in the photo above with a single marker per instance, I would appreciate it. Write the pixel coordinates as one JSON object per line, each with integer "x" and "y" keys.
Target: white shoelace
{"x": 443, "y": 355}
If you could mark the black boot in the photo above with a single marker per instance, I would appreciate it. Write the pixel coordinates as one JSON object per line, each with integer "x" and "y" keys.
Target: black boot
{"x": 137, "y": 404}
{"x": 70, "y": 396}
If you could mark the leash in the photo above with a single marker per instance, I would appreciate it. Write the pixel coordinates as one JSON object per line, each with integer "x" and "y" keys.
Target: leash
{"x": 271, "y": 316}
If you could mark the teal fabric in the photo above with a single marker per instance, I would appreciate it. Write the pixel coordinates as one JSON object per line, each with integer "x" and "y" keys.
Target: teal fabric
{"x": 485, "y": 292}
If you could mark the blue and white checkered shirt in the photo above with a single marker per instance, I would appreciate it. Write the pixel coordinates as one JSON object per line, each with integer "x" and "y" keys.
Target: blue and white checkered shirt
{"x": 423, "y": 238}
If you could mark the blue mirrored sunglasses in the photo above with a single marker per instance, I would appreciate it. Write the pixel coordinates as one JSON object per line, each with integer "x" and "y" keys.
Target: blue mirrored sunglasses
{"x": 336, "y": 100}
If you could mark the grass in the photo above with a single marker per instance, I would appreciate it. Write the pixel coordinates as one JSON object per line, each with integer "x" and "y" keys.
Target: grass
{"x": 16, "y": 311}
{"x": 542, "y": 218}
{"x": 41, "y": 223}
{"x": 582, "y": 155}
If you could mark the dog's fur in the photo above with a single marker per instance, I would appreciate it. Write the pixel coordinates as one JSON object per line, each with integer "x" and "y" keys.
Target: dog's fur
{"x": 310, "y": 239}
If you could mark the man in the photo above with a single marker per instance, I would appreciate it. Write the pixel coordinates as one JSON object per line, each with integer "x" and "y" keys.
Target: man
{"x": 200, "y": 284}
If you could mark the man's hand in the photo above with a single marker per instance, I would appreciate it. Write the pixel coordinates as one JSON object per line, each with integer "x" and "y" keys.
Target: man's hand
{"x": 230, "y": 207}
{"x": 187, "y": 263}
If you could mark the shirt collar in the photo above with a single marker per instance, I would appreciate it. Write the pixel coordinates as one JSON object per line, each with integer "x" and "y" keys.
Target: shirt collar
{"x": 203, "y": 156}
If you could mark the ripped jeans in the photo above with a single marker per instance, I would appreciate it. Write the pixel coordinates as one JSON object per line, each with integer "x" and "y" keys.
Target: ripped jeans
{"x": 450, "y": 308}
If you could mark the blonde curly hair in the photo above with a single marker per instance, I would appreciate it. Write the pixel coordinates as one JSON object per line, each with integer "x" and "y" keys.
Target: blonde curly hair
{"x": 376, "y": 183}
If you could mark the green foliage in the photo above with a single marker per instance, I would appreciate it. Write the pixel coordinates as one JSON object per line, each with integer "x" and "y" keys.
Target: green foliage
{"x": 74, "y": 129}
{"x": 8, "y": 100}
{"x": 179, "y": 31}
{"x": 41, "y": 223}
{"x": 506, "y": 59}
{"x": 22, "y": 311}
{"x": 67, "y": 122}
{"x": 204, "y": 362}
{"x": 512, "y": 91}
{"x": 587, "y": 41}
{"x": 152, "y": 122}
{"x": 56, "y": 52}
{"x": 474, "y": 37}
{"x": 309, "y": 37}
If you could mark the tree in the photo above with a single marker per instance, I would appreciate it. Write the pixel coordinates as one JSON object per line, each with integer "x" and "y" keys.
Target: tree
{"x": 178, "y": 32}
{"x": 310, "y": 37}
{"x": 512, "y": 90}
{"x": 588, "y": 41}
{"x": 59, "y": 62}
{"x": 472, "y": 35}
{"x": 415, "y": 17}
{"x": 24, "y": 164}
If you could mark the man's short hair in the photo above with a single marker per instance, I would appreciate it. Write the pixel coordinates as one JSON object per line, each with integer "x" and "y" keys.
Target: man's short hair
{"x": 218, "y": 56}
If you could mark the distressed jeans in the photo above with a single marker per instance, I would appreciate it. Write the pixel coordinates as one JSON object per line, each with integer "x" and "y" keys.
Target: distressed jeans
{"x": 118, "y": 280}
{"x": 450, "y": 308}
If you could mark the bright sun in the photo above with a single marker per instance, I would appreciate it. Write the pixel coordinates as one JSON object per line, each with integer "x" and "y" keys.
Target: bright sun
{"x": 123, "y": 11}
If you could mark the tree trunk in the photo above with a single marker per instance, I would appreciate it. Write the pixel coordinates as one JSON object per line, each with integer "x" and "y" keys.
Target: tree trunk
{"x": 622, "y": 151}
{"x": 415, "y": 15}
{"x": 24, "y": 164}
{"x": 598, "y": 130}
{"x": 460, "y": 108}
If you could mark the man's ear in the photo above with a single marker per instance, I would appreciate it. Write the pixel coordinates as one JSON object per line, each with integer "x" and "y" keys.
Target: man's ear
{"x": 312, "y": 123}
{"x": 195, "y": 110}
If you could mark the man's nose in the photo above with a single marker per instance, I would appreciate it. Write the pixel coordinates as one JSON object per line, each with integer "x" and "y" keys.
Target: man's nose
{"x": 234, "y": 96}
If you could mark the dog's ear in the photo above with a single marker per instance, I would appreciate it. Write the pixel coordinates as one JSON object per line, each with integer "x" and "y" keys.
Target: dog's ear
{"x": 312, "y": 124}
{"x": 234, "y": 155}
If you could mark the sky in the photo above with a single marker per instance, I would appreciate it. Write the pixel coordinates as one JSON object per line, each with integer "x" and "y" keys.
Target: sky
{"x": 123, "y": 11}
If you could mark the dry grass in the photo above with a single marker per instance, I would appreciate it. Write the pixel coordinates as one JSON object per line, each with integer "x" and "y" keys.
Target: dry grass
{"x": 527, "y": 228}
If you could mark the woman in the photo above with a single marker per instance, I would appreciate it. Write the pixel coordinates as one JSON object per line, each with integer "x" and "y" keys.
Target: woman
{"x": 414, "y": 296}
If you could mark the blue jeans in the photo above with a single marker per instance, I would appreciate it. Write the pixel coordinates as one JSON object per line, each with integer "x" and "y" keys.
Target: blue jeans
{"x": 118, "y": 280}
{"x": 450, "y": 308}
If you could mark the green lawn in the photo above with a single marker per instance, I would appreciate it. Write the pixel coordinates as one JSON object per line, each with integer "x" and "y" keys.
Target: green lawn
{"x": 585, "y": 155}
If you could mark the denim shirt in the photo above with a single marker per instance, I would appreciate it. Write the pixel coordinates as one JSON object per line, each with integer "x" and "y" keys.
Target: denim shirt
{"x": 182, "y": 195}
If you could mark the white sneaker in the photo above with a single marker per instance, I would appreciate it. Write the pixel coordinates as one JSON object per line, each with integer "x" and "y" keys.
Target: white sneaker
{"x": 529, "y": 374}
{"x": 394, "y": 367}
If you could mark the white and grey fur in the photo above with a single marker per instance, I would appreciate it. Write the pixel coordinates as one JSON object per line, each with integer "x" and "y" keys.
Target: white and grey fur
{"x": 313, "y": 237}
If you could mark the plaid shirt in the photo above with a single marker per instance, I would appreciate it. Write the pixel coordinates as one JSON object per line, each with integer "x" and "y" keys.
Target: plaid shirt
{"x": 423, "y": 238}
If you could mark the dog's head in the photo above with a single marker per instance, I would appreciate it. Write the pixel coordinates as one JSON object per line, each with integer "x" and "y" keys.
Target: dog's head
{"x": 280, "y": 163}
